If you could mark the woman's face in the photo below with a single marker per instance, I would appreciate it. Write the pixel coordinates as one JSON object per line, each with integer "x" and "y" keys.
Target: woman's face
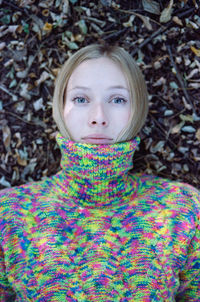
{"x": 97, "y": 105}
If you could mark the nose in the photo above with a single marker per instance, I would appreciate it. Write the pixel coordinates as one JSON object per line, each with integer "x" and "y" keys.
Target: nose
{"x": 98, "y": 116}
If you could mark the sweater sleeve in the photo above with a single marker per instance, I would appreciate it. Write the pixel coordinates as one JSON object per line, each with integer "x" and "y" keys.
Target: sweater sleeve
{"x": 190, "y": 275}
{"x": 6, "y": 292}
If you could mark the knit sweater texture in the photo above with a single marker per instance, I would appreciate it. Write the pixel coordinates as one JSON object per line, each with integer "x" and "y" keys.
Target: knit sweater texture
{"x": 97, "y": 232}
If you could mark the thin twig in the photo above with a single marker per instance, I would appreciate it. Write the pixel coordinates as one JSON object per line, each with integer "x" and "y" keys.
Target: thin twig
{"x": 133, "y": 12}
{"x": 179, "y": 78}
{"x": 15, "y": 7}
{"x": 115, "y": 34}
{"x": 14, "y": 97}
{"x": 147, "y": 40}
{"x": 19, "y": 118}
{"x": 160, "y": 30}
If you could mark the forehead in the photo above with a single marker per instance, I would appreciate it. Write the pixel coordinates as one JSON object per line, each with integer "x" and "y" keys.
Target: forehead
{"x": 98, "y": 71}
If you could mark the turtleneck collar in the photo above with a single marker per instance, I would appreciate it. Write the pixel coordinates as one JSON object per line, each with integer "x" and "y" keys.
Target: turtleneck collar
{"x": 96, "y": 175}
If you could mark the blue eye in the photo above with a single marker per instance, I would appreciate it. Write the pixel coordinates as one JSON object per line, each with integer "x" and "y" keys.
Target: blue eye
{"x": 119, "y": 101}
{"x": 80, "y": 100}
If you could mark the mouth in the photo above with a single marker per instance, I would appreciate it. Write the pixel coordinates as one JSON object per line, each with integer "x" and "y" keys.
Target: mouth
{"x": 97, "y": 139}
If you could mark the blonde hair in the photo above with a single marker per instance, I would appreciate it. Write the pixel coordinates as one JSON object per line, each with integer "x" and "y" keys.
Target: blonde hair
{"x": 136, "y": 83}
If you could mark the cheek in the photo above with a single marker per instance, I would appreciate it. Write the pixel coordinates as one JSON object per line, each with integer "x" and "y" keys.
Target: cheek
{"x": 122, "y": 117}
{"x": 127, "y": 114}
{"x": 73, "y": 117}
{"x": 68, "y": 115}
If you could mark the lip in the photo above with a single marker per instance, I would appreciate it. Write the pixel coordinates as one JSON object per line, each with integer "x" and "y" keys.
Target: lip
{"x": 97, "y": 139}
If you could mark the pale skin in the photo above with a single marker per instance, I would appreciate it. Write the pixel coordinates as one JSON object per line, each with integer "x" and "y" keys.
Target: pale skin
{"x": 97, "y": 105}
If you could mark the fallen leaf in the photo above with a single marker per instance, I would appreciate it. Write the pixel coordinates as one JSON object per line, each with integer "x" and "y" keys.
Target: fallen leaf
{"x": 168, "y": 112}
{"x": 17, "y": 135}
{"x": 195, "y": 51}
{"x": 105, "y": 2}
{"x": 11, "y": 29}
{"x": 4, "y": 182}
{"x": 24, "y": 91}
{"x": 187, "y": 118}
{"x": 22, "y": 157}
{"x": 13, "y": 83}
{"x": 45, "y": 12}
{"x": 173, "y": 85}
{"x": 151, "y": 6}
{"x": 21, "y": 161}
{"x": 146, "y": 21}
{"x": 6, "y": 137}
{"x": 176, "y": 129}
{"x": 177, "y": 20}
{"x": 2, "y": 45}
{"x": 24, "y": 3}
{"x": 48, "y": 27}
{"x": 159, "y": 82}
{"x": 192, "y": 73}
{"x": 38, "y": 104}
{"x": 20, "y": 106}
{"x": 129, "y": 23}
{"x": 191, "y": 24}
{"x": 28, "y": 169}
{"x": 198, "y": 134}
{"x": 188, "y": 129}
{"x": 158, "y": 147}
{"x": 44, "y": 76}
{"x": 65, "y": 8}
{"x": 167, "y": 12}
{"x": 194, "y": 85}
{"x": 71, "y": 45}
{"x": 83, "y": 27}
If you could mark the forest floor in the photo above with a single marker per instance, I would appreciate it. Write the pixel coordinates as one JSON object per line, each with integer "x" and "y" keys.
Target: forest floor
{"x": 36, "y": 37}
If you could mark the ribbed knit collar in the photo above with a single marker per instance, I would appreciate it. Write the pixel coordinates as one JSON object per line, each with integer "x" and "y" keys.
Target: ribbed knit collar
{"x": 97, "y": 175}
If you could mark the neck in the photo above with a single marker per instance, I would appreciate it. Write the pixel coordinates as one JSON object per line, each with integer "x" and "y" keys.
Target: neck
{"x": 97, "y": 175}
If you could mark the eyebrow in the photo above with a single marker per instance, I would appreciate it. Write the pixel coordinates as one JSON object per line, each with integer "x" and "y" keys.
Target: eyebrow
{"x": 118, "y": 87}
{"x": 111, "y": 87}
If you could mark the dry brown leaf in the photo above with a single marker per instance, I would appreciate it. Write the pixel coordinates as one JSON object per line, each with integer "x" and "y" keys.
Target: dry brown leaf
{"x": 146, "y": 21}
{"x": 198, "y": 134}
{"x": 24, "y": 3}
{"x": 48, "y": 27}
{"x": 194, "y": 85}
{"x": 21, "y": 161}
{"x": 167, "y": 12}
{"x": 177, "y": 20}
{"x": 45, "y": 12}
{"x": 192, "y": 73}
{"x": 44, "y": 76}
{"x": 177, "y": 128}
{"x": 17, "y": 135}
{"x": 11, "y": 29}
{"x": 2, "y": 45}
{"x": 195, "y": 51}
{"x": 55, "y": 71}
{"x": 159, "y": 82}
{"x": 151, "y": 6}
{"x": 129, "y": 23}
{"x": 6, "y": 137}
{"x": 24, "y": 91}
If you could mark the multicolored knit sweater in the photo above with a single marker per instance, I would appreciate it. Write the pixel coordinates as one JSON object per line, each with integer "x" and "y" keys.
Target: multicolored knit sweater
{"x": 96, "y": 232}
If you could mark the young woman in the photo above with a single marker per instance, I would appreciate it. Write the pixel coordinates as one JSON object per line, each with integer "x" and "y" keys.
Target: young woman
{"x": 94, "y": 231}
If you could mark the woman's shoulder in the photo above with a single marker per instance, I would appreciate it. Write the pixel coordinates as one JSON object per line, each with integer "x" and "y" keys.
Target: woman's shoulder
{"x": 169, "y": 192}
{"x": 166, "y": 184}
{"x": 24, "y": 194}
